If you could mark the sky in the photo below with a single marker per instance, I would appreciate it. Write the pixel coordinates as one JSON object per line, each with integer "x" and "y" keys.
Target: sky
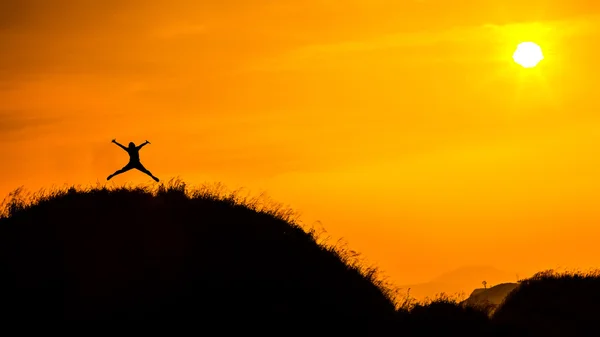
{"x": 403, "y": 127}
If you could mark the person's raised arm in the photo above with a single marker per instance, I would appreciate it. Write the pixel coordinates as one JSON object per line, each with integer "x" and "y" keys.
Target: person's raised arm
{"x": 143, "y": 144}
{"x": 120, "y": 145}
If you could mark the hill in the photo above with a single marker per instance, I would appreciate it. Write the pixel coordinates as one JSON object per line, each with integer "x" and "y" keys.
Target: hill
{"x": 207, "y": 261}
{"x": 132, "y": 254}
{"x": 459, "y": 281}
{"x": 493, "y": 296}
{"x": 553, "y": 304}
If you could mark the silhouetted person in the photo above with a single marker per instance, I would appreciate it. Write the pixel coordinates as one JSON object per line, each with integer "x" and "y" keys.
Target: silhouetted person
{"x": 134, "y": 160}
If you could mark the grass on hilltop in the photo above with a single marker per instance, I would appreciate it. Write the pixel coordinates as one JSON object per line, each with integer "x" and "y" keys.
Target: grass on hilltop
{"x": 206, "y": 255}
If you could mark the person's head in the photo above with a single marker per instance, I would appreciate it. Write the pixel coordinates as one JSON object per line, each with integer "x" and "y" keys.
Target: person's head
{"x": 131, "y": 145}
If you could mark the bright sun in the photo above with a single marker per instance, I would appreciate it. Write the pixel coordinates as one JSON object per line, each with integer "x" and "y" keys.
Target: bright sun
{"x": 528, "y": 54}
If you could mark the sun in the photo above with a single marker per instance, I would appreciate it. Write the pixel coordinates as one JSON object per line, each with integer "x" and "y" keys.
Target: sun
{"x": 528, "y": 54}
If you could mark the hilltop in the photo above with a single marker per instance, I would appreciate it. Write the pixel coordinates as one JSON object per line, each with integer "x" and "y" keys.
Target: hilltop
{"x": 459, "y": 281}
{"x": 127, "y": 254}
{"x": 493, "y": 296}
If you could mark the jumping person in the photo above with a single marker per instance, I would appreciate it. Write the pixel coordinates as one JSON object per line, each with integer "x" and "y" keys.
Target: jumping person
{"x": 134, "y": 160}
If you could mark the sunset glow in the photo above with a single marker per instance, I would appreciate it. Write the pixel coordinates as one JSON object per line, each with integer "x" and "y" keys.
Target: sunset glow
{"x": 403, "y": 127}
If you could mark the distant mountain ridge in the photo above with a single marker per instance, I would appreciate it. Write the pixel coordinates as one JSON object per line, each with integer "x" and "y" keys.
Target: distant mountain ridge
{"x": 462, "y": 280}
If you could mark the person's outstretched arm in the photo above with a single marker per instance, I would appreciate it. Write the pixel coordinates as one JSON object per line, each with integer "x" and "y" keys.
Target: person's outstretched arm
{"x": 143, "y": 144}
{"x": 120, "y": 145}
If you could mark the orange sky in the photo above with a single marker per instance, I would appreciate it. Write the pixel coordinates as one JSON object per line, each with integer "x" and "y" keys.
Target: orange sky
{"x": 403, "y": 126}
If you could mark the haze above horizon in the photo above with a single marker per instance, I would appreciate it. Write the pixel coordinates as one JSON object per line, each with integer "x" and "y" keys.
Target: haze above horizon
{"x": 405, "y": 128}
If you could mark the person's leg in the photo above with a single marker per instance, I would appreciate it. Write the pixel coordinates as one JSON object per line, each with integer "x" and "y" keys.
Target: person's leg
{"x": 123, "y": 170}
{"x": 143, "y": 169}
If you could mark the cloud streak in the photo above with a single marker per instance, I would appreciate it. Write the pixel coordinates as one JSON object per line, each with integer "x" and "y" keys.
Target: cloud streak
{"x": 14, "y": 123}
{"x": 415, "y": 45}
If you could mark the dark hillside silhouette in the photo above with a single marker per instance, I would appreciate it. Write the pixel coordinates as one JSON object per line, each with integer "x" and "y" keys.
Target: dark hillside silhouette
{"x": 129, "y": 254}
{"x": 444, "y": 316}
{"x": 214, "y": 263}
{"x": 553, "y": 304}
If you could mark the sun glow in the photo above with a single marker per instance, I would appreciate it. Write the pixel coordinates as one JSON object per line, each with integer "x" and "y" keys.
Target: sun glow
{"x": 528, "y": 54}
